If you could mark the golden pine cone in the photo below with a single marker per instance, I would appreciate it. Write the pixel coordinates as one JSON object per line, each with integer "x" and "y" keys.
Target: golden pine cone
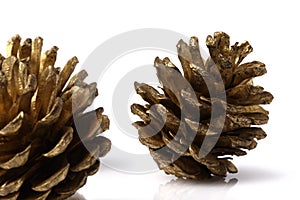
{"x": 171, "y": 144}
{"x": 43, "y": 155}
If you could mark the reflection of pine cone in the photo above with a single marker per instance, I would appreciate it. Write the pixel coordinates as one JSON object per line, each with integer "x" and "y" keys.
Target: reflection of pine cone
{"x": 178, "y": 189}
{"x": 241, "y": 110}
{"x": 42, "y": 156}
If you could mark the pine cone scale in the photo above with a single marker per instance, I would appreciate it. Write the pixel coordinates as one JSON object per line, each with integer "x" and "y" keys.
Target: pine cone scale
{"x": 52, "y": 116}
{"x": 12, "y": 128}
{"x": 67, "y": 71}
{"x": 62, "y": 144}
{"x": 43, "y": 185}
{"x": 18, "y": 160}
{"x": 72, "y": 184}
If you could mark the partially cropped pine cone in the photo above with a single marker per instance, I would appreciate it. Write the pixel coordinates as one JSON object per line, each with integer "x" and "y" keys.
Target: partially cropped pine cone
{"x": 167, "y": 130}
{"x": 43, "y": 155}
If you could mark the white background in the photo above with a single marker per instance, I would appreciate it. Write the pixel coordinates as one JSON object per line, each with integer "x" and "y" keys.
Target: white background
{"x": 271, "y": 171}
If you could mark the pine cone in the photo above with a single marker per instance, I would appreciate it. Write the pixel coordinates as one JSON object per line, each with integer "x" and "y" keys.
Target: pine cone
{"x": 42, "y": 154}
{"x": 171, "y": 144}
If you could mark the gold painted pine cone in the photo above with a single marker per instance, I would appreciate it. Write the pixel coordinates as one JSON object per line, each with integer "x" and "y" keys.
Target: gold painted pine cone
{"x": 42, "y": 154}
{"x": 180, "y": 156}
